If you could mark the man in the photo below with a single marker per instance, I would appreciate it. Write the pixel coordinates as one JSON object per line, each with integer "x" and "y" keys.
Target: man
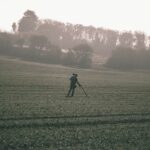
{"x": 73, "y": 82}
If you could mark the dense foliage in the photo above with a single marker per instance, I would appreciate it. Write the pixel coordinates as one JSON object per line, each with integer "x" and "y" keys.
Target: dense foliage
{"x": 45, "y": 40}
{"x": 127, "y": 58}
{"x": 67, "y": 35}
{"x": 38, "y": 48}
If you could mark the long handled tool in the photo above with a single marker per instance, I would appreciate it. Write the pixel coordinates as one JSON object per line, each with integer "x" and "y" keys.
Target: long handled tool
{"x": 84, "y": 91}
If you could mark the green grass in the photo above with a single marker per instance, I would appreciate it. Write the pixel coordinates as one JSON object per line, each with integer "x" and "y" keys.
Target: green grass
{"x": 35, "y": 114}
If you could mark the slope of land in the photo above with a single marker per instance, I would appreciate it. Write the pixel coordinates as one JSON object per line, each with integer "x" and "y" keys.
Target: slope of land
{"x": 35, "y": 114}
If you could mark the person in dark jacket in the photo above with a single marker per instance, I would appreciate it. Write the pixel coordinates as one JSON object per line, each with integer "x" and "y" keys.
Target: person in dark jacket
{"x": 73, "y": 82}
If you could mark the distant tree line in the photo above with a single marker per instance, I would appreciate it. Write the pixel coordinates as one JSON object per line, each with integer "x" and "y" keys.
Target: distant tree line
{"x": 38, "y": 48}
{"x": 102, "y": 41}
{"x": 43, "y": 40}
{"x": 127, "y": 58}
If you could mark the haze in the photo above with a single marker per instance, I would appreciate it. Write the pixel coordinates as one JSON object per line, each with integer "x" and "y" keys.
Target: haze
{"x": 117, "y": 14}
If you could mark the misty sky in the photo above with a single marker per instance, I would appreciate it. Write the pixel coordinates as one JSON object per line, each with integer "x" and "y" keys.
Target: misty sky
{"x": 114, "y": 14}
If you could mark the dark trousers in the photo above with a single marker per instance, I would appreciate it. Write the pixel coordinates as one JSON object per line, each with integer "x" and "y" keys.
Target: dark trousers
{"x": 71, "y": 91}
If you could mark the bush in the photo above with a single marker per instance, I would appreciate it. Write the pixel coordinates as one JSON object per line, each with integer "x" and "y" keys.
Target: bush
{"x": 127, "y": 58}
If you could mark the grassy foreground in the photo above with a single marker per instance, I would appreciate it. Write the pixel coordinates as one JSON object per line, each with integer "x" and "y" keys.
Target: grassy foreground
{"x": 35, "y": 114}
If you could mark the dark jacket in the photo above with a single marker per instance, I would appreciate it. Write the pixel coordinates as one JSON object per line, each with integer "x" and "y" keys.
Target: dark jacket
{"x": 74, "y": 81}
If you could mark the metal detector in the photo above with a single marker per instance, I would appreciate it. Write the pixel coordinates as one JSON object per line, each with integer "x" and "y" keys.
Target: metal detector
{"x": 84, "y": 91}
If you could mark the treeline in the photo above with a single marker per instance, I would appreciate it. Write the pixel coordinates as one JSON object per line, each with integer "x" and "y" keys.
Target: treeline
{"x": 127, "y": 58}
{"x": 73, "y": 45}
{"x": 38, "y": 48}
{"x": 102, "y": 41}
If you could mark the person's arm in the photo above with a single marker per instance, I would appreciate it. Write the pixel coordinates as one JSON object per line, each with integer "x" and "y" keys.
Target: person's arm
{"x": 78, "y": 83}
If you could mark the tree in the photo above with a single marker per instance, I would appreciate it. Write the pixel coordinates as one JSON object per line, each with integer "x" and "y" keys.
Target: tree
{"x": 83, "y": 55}
{"x": 53, "y": 30}
{"x": 140, "y": 40}
{"x": 54, "y": 54}
{"x": 111, "y": 39}
{"x": 14, "y": 27}
{"x": 126, "y": 40}
{"x": 122, "y": 58}
{"x": 39, "y": 41}
{"x": 148, "y": 42}
{"x": 97, "y": 42}
{"x": 20, "y": 42}
{"x": 28, "y": 22}
{"x": 5, "y": 42}
{"x": 69, "y": 58}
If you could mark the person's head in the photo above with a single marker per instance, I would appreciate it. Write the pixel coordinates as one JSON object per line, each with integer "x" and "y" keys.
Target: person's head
{"x": 74, "y": 74}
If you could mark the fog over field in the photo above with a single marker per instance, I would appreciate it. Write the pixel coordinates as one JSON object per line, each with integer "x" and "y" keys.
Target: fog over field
{"x": 74, "y": 75}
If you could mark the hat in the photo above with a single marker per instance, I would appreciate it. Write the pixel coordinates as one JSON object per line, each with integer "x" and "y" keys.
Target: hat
{"x": 75, "y": 74}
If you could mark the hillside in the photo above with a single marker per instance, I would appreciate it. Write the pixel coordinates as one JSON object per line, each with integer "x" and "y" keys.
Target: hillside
{"x": 35, "y": 114}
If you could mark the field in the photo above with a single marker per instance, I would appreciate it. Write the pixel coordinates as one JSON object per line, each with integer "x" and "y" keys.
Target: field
{"x": 35, "y": 114}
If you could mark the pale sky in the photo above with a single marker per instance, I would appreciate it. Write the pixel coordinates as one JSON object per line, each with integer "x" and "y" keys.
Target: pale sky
{"x": 113, "y": 14}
